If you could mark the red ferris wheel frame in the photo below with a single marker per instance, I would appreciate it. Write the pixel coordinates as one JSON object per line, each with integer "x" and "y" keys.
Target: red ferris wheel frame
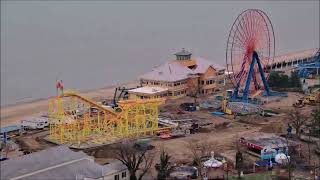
{"x": 251, "y": 31}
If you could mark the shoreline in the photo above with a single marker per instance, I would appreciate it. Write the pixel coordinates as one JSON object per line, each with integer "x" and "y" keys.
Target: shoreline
{"x": 12, "y": 114}
{"x": 82, "y": 91}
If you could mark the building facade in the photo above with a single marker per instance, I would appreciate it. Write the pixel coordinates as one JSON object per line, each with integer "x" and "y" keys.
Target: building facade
{"x": 292, "y": 59}
{"x": 60, "y": 162}
{"x": 181, "y": 77}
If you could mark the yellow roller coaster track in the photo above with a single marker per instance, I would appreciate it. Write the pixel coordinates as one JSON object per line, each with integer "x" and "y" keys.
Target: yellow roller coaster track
{"x": 73, "y": 122}
{"x": 87, "y": 100}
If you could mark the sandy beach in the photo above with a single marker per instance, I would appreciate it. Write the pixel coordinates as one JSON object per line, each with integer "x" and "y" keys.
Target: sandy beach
{"x": 12, "y": 114}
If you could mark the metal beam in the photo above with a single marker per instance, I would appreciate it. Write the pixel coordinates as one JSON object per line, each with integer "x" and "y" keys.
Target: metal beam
{"x": 246, "y": 89}
{"x": 264, "y": 80}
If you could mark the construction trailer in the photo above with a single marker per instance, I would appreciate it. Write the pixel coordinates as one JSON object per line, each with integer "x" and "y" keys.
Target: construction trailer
{"x": 34, "y": 123}
{"x": 133, "y": 118}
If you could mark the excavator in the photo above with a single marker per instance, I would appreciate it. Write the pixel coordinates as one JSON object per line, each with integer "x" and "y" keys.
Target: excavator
{"x": 310, "y": 99}
{"x": 120, "y": 93}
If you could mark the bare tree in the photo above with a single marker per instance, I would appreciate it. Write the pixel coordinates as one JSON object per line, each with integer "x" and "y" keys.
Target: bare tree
{"x": 239, "y": 160}
{"x": 289, "y": 156}
{"x": 165, "y": 166}
{"x": 137, "y": 161}
{"x": 315, "y": 120}
{"x": 297, "y": 120}
{"x": 199, "y": 150}
{"x": 194, "y": 89}
{"x": 290, "y": 163}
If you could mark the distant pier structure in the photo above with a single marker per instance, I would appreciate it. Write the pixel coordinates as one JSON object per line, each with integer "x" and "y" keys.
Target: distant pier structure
{"x": 293, "y": 59}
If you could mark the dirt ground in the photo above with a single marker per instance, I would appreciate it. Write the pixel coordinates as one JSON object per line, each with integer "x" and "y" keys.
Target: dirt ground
{"x": 224, "y": 138}
{"x": 222, "y": 134}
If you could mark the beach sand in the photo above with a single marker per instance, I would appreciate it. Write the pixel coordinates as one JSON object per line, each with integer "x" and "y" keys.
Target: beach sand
{"x": 13, "y": 114}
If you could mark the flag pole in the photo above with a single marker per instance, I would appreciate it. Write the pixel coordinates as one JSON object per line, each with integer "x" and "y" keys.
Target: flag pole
{"x": 57, "y": 93}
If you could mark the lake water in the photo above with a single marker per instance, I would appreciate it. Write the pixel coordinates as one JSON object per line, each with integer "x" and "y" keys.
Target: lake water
{"x": 95, "y": 44}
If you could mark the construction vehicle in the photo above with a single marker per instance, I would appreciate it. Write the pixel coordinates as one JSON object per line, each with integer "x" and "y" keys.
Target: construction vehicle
{"x": 310, "y": 99}
{"x": 120, "y": 93}
{"x": 226, "y": 96}
{"x": 177, "y": 128}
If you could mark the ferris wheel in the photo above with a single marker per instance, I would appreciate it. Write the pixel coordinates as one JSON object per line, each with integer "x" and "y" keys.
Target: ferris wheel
{"x": 250, "y": 51}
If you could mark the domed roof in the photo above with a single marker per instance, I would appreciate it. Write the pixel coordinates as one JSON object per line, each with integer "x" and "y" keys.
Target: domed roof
{"x": 183, "y": 53}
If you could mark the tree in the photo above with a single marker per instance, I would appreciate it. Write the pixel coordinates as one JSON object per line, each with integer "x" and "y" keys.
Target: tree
{"x": 193, "y": 89}
{"x": 273, "y": 79}
{"x": 165, "y": 166}
{"x": 284, "y": 81}
{"x": 315, "y": 121}
{"x": 199, "y": 150}
{"x": 239, "y": 161}
{"x": 297, "y": 120}
{"x": 137, "y": 161}
{"x": 278, "y": 80}
{"x": 289, "y": 156}
{"x": 295, "y": 80}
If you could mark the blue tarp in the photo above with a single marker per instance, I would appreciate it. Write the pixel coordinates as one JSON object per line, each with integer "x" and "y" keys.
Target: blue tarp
{"x": 9, "y": 128}
{"x": 217, "y": 113}
{"x": 263, "y": 163}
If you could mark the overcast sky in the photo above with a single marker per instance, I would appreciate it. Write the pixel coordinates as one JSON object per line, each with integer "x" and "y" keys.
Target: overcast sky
{"x": 95, "y": 44}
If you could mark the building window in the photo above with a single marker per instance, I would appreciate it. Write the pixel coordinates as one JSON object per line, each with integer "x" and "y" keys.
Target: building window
{"x": 116, "y": 177}
{"x": 169, "y": 93}
{"x": 221, "y": 72}
{"x": 202, "y": 82}
{"x": 207, "y": 82}
{"x": 124, "y": 174}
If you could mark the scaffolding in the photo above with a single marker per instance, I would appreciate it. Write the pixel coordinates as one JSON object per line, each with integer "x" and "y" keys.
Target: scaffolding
{"x": 75, "y": 120}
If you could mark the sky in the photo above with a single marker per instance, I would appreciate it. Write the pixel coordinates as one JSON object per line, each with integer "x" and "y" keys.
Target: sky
{"x": 95, "y": 44}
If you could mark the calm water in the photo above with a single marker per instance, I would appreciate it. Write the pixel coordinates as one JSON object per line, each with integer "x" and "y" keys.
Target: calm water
{"x": 96, "y": 44}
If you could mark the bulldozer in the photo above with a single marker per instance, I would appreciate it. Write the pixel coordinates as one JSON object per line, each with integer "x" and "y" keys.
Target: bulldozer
{"x": 311, "y": 99}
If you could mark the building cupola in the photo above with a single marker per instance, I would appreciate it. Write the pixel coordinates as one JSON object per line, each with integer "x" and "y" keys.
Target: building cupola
{"x": 183, "y": 55}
